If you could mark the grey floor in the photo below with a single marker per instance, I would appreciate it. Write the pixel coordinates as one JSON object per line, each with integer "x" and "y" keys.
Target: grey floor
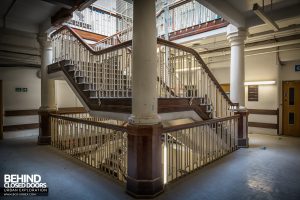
{"x": 269, "y": 169}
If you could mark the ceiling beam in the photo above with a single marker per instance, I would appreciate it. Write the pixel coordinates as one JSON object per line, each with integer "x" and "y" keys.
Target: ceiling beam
{"x": 278, "y": 15}
{"x": 262, "y": 15}
{"x": 226, "y": 11}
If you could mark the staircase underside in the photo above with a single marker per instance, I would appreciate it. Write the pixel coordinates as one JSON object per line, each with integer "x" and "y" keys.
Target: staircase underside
{"x": 123, "y": 105}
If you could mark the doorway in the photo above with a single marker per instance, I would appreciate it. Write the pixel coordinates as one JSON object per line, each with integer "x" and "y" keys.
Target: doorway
{"x": 291, "y": 108}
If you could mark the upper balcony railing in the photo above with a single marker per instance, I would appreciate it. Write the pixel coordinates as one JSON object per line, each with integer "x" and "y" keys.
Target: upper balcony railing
{"x": 173, "y": 16}
{"x": 182, "y": 14}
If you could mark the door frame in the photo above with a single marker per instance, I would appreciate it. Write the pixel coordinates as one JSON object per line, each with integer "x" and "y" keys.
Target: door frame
{"x": 282, "y": 99}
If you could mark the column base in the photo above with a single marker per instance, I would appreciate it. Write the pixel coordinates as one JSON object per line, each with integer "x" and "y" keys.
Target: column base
{"x": 145, "y": 179}
{"x": 44, "y": 127}
{"x": 144, "y": 189}
{"x": 243, "y": 143}
{"x": 44, "y": 140}
{"x": 243, "y": 140}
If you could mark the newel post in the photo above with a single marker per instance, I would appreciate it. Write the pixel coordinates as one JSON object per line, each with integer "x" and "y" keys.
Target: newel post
{"x": 243, "y": 140}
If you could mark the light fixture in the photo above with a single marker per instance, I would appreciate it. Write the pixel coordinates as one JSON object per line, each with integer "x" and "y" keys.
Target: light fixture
{"x": 260, "y": 83}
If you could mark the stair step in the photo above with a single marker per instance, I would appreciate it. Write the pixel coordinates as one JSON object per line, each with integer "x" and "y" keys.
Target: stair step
{"x": 72, "y": 68}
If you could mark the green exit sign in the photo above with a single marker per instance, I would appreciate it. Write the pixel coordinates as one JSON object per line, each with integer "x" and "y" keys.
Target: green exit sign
{"x": 21, "y": 89}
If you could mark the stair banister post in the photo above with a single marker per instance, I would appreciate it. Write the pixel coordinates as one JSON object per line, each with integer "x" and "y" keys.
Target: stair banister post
{"x": 144, "y": 178}
{"x": 48, "y": 103}
{"x": 242, "y": 126}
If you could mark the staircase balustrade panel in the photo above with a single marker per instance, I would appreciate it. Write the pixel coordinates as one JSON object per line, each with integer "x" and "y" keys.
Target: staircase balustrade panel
{"x": 191, "y": 146}
{"x": 107, "y": 73}
{"x": 99, "y": 142}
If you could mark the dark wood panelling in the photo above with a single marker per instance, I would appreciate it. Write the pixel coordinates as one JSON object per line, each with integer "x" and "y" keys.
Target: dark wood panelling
{"x": 263, "y": 112}
{"x": 20, "y": 127}
{"x": 197, "y": 29}
{"x": 263, "y": 125}
{"x": 21, "y": 112}
{"x": 66, "y": 110}
{"x": 71, "y": 110}
{"x": 144, "y": 160}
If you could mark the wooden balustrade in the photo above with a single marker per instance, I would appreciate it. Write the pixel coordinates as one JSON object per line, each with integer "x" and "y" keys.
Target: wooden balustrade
{"x": 190, "y": 146}
{"x": 107, "y": 72}
{"x": 101, "y": 144}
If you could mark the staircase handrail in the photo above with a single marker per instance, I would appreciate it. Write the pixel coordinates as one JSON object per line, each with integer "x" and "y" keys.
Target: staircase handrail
{"x": 198, "y": 123}
{"x": 93, "y": 123}
{"x": 159, "y": 41}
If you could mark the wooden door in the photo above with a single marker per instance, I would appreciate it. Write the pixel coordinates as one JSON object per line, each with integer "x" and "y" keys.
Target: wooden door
{"x": 291, "y": 108}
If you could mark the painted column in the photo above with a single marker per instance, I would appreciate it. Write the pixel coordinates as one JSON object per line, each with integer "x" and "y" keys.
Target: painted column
{"x": 144, "y": 74}
{"x": 145, "y": 178}
{"x": 236, "y": 38}
{"x": 48, "y": 102}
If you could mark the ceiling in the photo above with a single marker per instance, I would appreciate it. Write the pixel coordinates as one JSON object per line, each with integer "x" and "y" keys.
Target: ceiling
{"x": 240, "y": 14}
{"x": 26, "y": 15}
{"x": 31, "y": 15}
{"x": 285, "y": 13}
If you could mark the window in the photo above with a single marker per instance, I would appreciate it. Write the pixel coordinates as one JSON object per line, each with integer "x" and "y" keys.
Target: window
{"x": 291, "y": 118}
{"x": 291, "y": 96}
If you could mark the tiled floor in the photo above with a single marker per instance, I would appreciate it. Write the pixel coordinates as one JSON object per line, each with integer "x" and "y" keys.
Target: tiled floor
{"x": 269, "y": 169}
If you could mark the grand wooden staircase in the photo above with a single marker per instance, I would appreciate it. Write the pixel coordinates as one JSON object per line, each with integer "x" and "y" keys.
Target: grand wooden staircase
{"x": 102, "y": 78}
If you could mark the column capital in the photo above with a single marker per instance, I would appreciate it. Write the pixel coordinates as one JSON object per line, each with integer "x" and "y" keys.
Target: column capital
{"x": 236, "y": 36}
{"x": 44, "y": 41}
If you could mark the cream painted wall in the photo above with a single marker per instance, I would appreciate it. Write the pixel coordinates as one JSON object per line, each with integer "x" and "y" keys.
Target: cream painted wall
{"x": 14, "y": 77}
{"x": 257, "y": 68}
{"x": 262, "y": 67}
{"x": 65, "y": 97}
{"x": 24, "y": 77}
{"x": 21, "y": 77}
{"x": 288, "y": 71}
